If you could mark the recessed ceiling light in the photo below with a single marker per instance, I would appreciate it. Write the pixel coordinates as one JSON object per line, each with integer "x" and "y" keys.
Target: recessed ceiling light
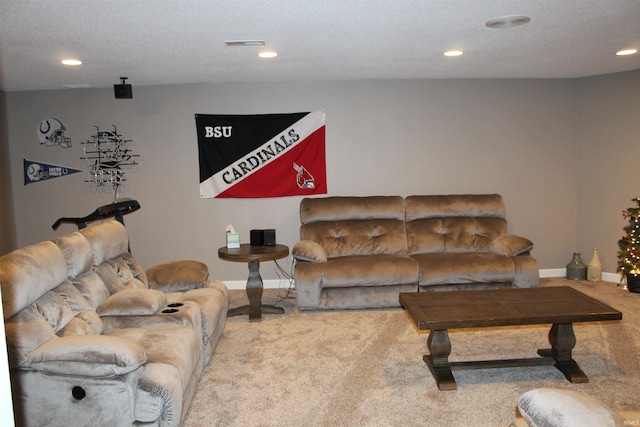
{"x": 627, "y": 52}
{"x": 453, "y": 53}
{"x": 71, "y": 62}
{"x": 508, "y": 21}
{"x": 268, "y": 54}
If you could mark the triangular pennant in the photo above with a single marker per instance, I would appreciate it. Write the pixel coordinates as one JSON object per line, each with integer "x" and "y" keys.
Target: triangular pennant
{"x": 39, "y": 171}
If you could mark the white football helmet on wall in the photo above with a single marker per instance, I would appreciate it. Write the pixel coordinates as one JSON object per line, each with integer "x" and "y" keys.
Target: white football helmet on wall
{"x": 51, "y": 132}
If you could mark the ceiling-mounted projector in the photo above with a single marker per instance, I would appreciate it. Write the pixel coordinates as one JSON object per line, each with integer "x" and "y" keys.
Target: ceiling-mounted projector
{"x": 123, "y": 90}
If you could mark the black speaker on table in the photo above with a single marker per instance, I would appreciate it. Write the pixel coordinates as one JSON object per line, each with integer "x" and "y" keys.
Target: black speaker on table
{"x": 269, "y": 237}
{"x": 262, "y": 237}
{"x": 256, "y": 237}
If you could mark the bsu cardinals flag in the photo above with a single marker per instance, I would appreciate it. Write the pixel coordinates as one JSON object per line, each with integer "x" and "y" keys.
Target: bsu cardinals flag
{"x": 264, "y": 155}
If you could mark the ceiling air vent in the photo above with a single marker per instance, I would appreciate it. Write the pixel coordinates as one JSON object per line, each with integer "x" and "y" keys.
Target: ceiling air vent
{"x": 244, "y": 42}
{"x": 508, "y": 21}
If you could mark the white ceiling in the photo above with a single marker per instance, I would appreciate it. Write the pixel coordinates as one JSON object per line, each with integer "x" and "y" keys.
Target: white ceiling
{"x": 182, "y": 41}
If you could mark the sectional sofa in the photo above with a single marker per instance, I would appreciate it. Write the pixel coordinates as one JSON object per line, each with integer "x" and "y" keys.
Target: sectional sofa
{"x": 94, "y": 339}
{"x": 361, "y": 252}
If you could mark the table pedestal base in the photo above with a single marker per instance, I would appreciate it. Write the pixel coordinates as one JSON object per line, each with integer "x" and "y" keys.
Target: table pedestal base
{"x": 254, "y": 293}
{"x": 561, "y": 337}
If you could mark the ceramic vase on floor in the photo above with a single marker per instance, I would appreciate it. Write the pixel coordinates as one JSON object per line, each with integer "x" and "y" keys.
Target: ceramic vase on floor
{"x": 576, "y": 269}
{"x": 594, "y": 268}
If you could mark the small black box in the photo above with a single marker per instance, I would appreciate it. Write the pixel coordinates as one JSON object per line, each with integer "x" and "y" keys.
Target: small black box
{"x": 256, "y": 237}
{"x": 123, "y": 91}
{"x": 269, "y": 237}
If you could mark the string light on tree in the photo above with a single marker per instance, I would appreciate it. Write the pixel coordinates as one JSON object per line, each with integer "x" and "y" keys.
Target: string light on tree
{"x": 629, "y": 244}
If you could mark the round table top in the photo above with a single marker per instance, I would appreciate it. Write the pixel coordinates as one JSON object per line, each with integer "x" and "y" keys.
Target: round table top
{"x": 246, "y": 253}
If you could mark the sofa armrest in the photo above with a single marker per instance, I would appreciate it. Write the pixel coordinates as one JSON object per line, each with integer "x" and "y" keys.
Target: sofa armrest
{"x": 177, "y": 276}
{"x": 132, "y": 302}
{"x": 88, "y": 355}
{"x": 308, "y": 250}
{"x": 510, "y": 245}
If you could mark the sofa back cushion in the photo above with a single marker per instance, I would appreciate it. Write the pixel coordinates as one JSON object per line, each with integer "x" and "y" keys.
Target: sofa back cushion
{"x": 28, "y": 273}
{"x": 107, "y": 240}
{"x": 355, "y": 225}
{"x": 454, "y": 223}
{"x": 77, "y": 252}
{"x": 62, "y": 311}
{"x": 118, "y": 269}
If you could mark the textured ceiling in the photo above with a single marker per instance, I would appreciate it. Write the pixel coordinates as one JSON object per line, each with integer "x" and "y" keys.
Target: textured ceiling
{"x": 182, "y": 41}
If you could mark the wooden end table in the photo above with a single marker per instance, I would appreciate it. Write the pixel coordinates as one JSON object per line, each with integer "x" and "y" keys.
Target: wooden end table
{"x": 561, "y": 306}
{"x": 253, "y": 255}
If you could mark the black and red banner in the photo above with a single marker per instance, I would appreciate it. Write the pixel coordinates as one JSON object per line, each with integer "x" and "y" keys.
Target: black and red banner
{"x": 261, "y": 155}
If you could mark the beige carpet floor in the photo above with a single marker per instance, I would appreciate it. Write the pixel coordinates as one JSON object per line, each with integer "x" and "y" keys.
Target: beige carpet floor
{"x": 365, "y": 368}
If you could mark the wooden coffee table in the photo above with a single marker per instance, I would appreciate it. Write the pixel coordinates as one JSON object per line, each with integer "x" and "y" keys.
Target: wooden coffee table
{"x": 561, "y": 306}
{"x": 253, "y": 255}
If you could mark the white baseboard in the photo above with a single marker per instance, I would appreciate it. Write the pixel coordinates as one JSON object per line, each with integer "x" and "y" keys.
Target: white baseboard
{"x": 553, "y": 272}
{"x": 562, "y": 272}
{"x": 611, "y": 277}
{"x": 284, "y": 284}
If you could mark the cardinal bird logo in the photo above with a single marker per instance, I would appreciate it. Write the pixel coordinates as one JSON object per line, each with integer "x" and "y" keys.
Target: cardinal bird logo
{"x": 304, "y": 179}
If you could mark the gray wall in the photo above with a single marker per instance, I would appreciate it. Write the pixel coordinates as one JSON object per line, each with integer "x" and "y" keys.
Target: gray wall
{"x": 608, "y": 138}
{"x": 7, "y": 229}
{"x": 520, "y": 138}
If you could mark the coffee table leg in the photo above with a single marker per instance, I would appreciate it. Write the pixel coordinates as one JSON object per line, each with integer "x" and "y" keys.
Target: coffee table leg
{"x": 439, "y": 347}
{"x": 563, "y": 340}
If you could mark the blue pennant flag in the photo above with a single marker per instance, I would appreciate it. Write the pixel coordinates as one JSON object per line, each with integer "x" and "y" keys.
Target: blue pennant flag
{"x": 38, "y": 171}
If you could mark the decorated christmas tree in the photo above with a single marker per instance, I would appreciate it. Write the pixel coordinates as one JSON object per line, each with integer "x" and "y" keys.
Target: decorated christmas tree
{"x": 629, "y": 244}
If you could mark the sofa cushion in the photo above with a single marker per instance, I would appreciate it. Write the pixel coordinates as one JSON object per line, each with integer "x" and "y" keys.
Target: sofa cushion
{"x": 362, "y": 237}
{"x": 136, "y": 269}
{"x": 351, "y": 208}
{"x": 565, "y": 408}
{"x": 355, "y": 225}
{"x": 178, "y": 275}
{"x": 77, "y": 252}
{"x": 457, "y": 205}
{"x": 28, "y": 273}
{"x": 368, "y": 270}
{"x": 84, "y": 323}
{"x": 125, "y": 274}
{"x": 110, "y": 278}
{"x": 460, "y": 268}
{"x": 107, "y": 240}
{"x": 132, "y": 302}
{"x": 92, "y": 288}
{"x": 26, "y": 331}
{"x": 90, "y": 355}
{"x": 68, "y": 312}
{"x": 453, "y": 234}
{"x": 55, "y": 310}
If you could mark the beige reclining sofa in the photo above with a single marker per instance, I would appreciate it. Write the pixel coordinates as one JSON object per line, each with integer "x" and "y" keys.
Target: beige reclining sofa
{"x": 93, "y": 339}
{"x": 361, "y": 252}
